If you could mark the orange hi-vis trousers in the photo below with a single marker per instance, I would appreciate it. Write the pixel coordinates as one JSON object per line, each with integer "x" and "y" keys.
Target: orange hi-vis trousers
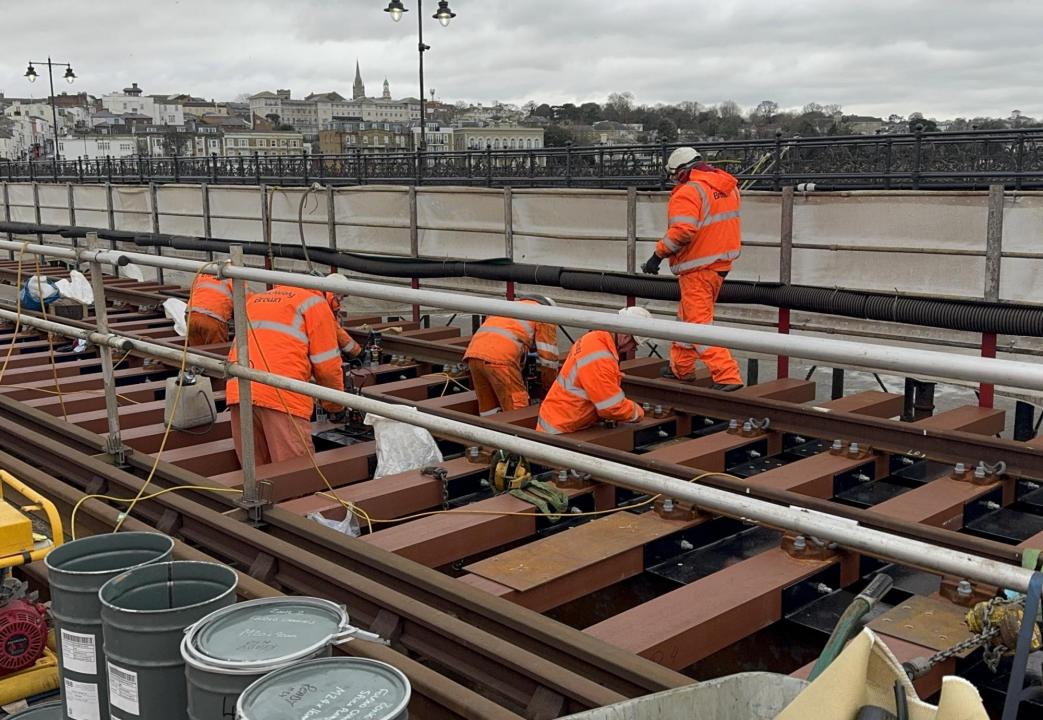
{"x": 699, "y": 290}
{"x": 275, "y": 437}
{"x": 499, "y": 386}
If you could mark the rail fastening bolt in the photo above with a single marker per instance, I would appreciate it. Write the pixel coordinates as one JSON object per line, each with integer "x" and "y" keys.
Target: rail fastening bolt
{"x": 800, "y": 543}
{"x": 960, "y": 468}
{"x": 963, "y": 589}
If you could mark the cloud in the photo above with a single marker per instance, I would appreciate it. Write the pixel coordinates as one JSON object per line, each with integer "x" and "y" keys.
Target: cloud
{"x": 943, "y": 58}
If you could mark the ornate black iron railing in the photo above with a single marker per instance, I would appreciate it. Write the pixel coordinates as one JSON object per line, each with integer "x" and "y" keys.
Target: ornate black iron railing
{"x": 956, "y": 160}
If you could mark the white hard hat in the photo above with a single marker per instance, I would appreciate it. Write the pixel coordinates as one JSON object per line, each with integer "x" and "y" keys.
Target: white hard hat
{"x": 681, "y": 157}
{"x": 637, "y": 313}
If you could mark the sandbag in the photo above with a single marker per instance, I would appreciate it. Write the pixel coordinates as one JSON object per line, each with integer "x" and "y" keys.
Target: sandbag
{"x": 401, "y": 447}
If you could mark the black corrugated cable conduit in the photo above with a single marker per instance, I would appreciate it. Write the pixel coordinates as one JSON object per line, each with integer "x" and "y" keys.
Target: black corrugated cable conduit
{"x": 949, "y": 313}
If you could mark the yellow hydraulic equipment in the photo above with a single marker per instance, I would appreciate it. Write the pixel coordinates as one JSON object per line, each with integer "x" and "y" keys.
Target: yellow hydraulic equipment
{"x": 28, "y": 663}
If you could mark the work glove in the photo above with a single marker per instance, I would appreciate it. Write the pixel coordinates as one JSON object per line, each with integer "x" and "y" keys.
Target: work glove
{"x": 651, "y": 265}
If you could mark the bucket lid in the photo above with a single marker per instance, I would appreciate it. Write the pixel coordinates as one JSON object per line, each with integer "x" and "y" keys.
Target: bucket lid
{"x": 266, "y": 631}
{"x": 325, "y": 689}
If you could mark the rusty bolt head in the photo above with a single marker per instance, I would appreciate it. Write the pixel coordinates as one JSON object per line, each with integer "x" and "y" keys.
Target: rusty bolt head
{"x": 668, "y": 505}
{"x": 853, "y": 448}
{"x": 979, "y": 472}
{"x": 733, "y": 424}
{"x": 960, "y": 468}
{"x": 747, "y": 427}
{"x": 563, "y": 475}
{"x": 963, "y": 589}
{"x": 800, "y": 543}
{"x": 838, "y": 445}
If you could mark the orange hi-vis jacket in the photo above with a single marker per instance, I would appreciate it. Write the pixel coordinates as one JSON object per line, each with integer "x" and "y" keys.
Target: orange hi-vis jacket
{"x": 588, "y": 387}
{"x": 211, "y": 296}
{"x": 703, "y": 226}
{"x": 293, "y": 334}
{"x": 345, "y": 342}
{"x": 507, "y": 340}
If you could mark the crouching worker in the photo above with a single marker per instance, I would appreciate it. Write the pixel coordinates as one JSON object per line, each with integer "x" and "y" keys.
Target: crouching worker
{"x": 496, "y": 357}
{"x": 292, "y": 333}
{"x": 209, "y": 311}
{"x": 589, "y": 386}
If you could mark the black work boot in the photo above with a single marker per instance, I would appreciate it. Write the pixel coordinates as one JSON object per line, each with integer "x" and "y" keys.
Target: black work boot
{"x": 727, "y": 387}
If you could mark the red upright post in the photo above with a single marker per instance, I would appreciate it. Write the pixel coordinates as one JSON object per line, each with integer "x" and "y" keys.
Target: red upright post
{"x": 510, "y": 290}
{"x": 987, "y": 391}
{"x": 783, "y": 360}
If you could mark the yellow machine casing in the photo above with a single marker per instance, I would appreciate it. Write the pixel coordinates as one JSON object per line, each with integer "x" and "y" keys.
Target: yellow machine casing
{"x": 16, "y": 530}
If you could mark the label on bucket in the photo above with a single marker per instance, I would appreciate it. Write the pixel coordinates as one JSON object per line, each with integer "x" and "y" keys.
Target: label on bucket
{"x": 123, "y": 688}
{"x": 81, "y": 700}
{"x": 78, "y": 652}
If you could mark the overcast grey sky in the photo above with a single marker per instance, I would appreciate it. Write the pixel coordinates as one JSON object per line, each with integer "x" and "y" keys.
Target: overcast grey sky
{"x": 943, "y": 58}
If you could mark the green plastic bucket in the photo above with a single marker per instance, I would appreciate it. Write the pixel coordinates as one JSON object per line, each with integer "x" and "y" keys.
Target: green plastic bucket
{"x": 328, "y": 689}
{"x": 231, "y": 648}
{"x": 144, "y": 616}
{"x": 76, "y": 571}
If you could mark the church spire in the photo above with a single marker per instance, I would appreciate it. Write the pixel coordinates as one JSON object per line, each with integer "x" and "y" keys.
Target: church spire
{"x": 387, "y": 89}
{"x": 358, "y": 90}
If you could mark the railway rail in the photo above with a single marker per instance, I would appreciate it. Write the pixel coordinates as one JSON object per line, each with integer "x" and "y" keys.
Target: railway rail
{"x": 588, "y": 611}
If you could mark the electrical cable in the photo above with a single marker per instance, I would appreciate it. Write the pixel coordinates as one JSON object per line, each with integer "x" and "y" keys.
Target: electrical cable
{"x": 177, "y": 400}
{"x": 50, "y": 339}
{"x": 133, "y": 501}
{"x": 499, "y": 513}
{"x": 18, "y": 311}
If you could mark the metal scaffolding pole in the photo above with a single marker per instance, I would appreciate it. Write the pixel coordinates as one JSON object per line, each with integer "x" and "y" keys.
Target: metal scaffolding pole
{"x": 906, "y": 361}
{"x": 792, "y": 518}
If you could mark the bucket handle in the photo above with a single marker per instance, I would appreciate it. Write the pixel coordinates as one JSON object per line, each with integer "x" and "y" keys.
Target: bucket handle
{"x": 353, "y": 633}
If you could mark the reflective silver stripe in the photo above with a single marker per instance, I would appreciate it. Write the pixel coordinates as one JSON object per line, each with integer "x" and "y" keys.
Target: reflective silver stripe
{"x": 487, "y": 413}
{"x": 683, "y": 219}
{"x": 502, "y": 333}
{"x": 678, "y": 268}
{"x": 209, "y": 313}
{"x": 670, "y": 244}
{"x": 705, "y": 208}
{"x": 547, "y": 348}
{"x": 548, "y": 363}
{"x": 351, "y": 345}
{"x": 323, "y": 357}
{"x": 568, "y": 383}
{"x": 279, "y": 327}
{"x": 217, "y": 285}
{"x": 720, "y": 217}
{"x": 584, "y": 361}
{"x": 547, "y": 427}
{"x": 609, "y": 402}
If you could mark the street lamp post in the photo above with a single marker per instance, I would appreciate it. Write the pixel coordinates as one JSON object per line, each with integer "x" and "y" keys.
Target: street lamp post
{"x": 443, "y": 15}
{"x": 69, "y": 76}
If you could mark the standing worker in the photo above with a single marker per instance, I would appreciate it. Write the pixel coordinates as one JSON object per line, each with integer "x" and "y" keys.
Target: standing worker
{"x": 209, "y": 311}
{"x": 497, "y": 353}
{"x": 293, "y": 334}
{"x": 589, "y": 386}
{"x": 703, "y": 237}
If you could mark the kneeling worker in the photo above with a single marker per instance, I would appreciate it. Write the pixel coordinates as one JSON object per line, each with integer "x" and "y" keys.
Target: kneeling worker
{"x": 589, "y": 386}
{"x": 209, "y": 311}
{"x": 292, "y": 333}
{"x": 496, "y": 357}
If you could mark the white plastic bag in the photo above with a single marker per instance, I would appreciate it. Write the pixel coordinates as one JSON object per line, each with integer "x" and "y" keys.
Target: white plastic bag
{"x": 77, "y": 288}
{"x": 37, "y": 284}
{"x": 348, "y": 526}
{"x": 175, "y": 310}
{"x": 132, "y": 271}
{"x": 401, "y": 447}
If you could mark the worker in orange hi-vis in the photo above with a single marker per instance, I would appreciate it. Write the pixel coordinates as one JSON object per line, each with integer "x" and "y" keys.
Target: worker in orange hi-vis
{"x": 293, "y": 334}
{"x": 209, "y": 311}
{"x": 497, "y": 354}
{"x": 703, "y": 238}
{"x": 347, "y": 344}
{"x": 589, "y": 386}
